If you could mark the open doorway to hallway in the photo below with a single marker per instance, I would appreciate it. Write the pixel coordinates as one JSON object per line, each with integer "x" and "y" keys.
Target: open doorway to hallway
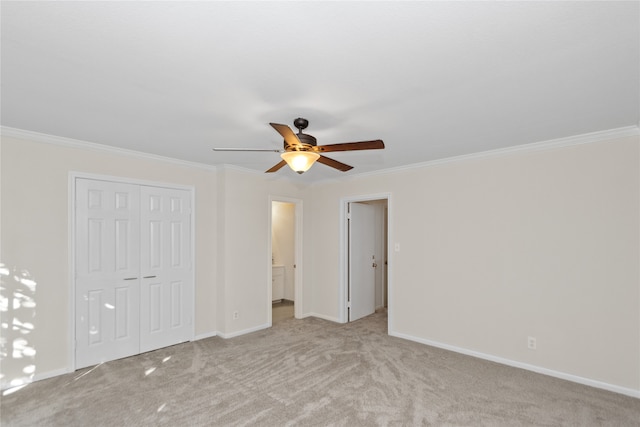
{"x": 285, "y": 247}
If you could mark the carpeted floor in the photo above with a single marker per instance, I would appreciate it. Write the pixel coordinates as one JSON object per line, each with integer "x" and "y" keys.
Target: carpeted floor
{"x": 311, "y": 372}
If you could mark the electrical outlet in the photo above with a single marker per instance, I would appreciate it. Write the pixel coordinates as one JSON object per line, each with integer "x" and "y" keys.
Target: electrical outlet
{"x": 236, "y": 315}
{"x": 531, "y": 343}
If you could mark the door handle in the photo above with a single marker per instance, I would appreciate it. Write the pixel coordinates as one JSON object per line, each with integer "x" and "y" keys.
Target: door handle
{"x": 374, "y": 265}
{"x": 149, "y": 277}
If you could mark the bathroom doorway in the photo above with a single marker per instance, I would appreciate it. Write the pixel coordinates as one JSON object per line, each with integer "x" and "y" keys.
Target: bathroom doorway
{"x": 285, "y": 246}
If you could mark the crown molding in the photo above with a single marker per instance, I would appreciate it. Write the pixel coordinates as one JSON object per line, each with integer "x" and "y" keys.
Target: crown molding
{"x": 586, "y": 138}
{"x": 6, "y": 131}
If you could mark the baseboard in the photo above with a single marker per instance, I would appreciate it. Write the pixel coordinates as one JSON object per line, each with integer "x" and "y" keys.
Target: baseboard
{"x": 36, "y": 377}
{"x": 557, "y": 374}
{"x": 205, "y": 335}
{"x": 324, "y": 317}
{"x": 244, "y": 331}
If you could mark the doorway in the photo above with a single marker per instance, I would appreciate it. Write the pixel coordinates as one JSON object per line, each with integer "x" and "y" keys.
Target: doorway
{"x": 285, "y": 254}
{"x": 364, "y": 257}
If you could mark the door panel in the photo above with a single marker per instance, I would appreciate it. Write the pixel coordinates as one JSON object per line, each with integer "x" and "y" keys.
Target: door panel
{"x": 177, "y": 303}
{"x": 123, "y": 326}
{"x": 107, "y": 260}
{"x": 167, "y": 311}
{"x": 94, "y": 315}
{"x": 155, "y": 307}
{"x": 361, "y": 260}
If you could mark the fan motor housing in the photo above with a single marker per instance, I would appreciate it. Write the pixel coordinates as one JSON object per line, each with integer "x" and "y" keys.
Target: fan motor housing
{"x": 306, "y": 143}
{"x": 307, "y": 139}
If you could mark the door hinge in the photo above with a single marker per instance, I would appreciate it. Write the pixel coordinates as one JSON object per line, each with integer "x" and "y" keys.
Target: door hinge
{"x": 348, "y": 304}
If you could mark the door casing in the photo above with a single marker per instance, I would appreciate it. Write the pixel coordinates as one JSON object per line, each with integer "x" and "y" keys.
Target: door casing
{"x": 344, "y": 254}
{"x": 298, "y": 293}
{"x": 73, "y": 176}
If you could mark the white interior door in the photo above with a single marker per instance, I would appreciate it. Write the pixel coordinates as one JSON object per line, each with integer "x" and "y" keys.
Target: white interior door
{"x": 107, "y": 265}
{"x": 166, "y": 310}
{"x": 361, "y": 260}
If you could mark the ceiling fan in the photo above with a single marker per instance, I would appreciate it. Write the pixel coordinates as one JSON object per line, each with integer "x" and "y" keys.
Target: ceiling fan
{"x": 301, "y": 150}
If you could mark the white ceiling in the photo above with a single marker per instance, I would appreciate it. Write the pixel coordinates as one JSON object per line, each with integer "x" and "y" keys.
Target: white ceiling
{"x": 432, "y": 79}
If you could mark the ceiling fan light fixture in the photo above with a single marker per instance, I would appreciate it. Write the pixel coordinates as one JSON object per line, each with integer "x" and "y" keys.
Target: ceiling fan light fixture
{"x": 300, "y": 161}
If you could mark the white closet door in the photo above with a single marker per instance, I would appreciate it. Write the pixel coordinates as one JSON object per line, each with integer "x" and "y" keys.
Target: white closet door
{"x": 166, "y": 311}
{"x": 107, "y": 266}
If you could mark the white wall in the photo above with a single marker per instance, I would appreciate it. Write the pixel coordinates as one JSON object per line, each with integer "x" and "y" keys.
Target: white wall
{"x": 35, "y": 238}
{"x": 493, "y": 250}
{"x": 246, "y": 279}
{"x": 231, "y": 211}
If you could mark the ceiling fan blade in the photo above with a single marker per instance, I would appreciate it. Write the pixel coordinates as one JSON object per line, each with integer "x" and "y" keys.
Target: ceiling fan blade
{"x": 376, "y": 144}
{"x": 289, "y": 137}
{"x": 276, "y": 167}
{"x": 334, "y": 164}
{"x": 271, "y": 150}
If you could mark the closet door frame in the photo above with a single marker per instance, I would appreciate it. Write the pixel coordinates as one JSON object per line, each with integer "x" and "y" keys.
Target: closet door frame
{"x": 71, "y": 247}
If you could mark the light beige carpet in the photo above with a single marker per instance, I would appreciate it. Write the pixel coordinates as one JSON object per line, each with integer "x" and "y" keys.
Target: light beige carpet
{"x": 312, "y": 372}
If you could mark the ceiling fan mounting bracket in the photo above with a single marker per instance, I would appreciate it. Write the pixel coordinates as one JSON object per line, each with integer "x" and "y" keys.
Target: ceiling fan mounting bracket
{"x": 300, "y": 124}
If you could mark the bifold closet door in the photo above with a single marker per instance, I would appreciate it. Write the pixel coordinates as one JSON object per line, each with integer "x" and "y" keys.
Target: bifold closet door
{"x": 133, "y": 284}
{"x": 166, "y": 310}
{"x": 107, "y": 264}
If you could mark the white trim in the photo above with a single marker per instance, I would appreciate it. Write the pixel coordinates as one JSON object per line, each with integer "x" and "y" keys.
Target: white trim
{"x": 51, "y": 374}
{"x": 205, "y": 336}
{"x": 324, "y": 317}
{"x": 37, "y": 377}
{"x": 343, "y": 252}
{"x": 587, "y": 138}
{"x": 71, "y": 253}
{"x": 305, "y": 315}
{"x": 44, "y": 138}
{"x": 270, "y": 261}
{"x": 127, "y": 180}
{"x": 244, "y": 331}
{"x": 550, "y": 372}
{"x": 192, "y": 257}
{"x": 1, "y": 202}
{"x": 298, "y": 272}
{"x": 92, "y": 146}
